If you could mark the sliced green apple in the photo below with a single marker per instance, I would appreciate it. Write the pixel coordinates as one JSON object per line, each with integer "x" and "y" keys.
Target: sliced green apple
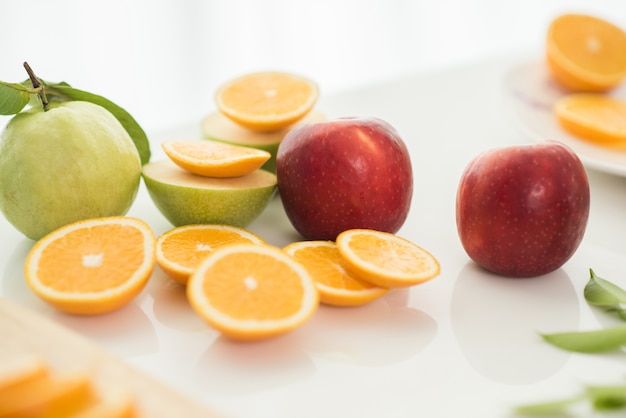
{"x": 185, "y": 198}
{"x": 218, "y": 127}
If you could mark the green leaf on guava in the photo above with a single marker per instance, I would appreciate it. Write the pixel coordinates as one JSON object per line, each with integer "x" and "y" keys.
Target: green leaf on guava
{"x": 13, "y": 98}
{"x": 63, "y": 92}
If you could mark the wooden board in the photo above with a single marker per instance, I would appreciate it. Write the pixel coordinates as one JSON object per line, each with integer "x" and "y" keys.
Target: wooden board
{"x": 27, "y": 333}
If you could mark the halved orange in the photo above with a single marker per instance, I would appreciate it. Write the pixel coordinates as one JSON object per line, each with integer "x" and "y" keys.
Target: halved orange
{"x": 586, "y": 53}
{"x": 386, "y": 259}
{"x": 48, "y": 396}
{"x": 179, "y": 251}
{"x": 267, "y": 101}
{"x": 252, "y": 292}
{"x": 594, "y": 117}
{"x": 92, "y": 266}
{"x": 215, "y": 159}
{"x": 336, "y": 285}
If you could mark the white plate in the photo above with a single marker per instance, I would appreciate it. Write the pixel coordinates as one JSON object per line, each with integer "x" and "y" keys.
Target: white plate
{"x": 529, "y": 96}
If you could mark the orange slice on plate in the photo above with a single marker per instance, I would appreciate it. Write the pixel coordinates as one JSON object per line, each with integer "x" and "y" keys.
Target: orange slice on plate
{"x": 386, "y": 259}
{"x": 179, "y": 251}
{"x": 336, "y": 285}
{"x": 92, "y": 266}
{"x": 267, "y": 101}
{"x": 215, "y": 159}
{"x": 593, "y": 117}
{"x": 252, "y": 292}
{"x": 586, "y": 53}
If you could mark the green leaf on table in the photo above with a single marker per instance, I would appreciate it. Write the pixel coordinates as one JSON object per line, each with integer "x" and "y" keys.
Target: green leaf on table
{"x": 64, "y": 91}
{"x": 13, "y": 98}
{"x": 607, "y": 398}
{"x": 548, "y": 408}
{"x": 601, "y": 292}
{"x": 597, "y": 341}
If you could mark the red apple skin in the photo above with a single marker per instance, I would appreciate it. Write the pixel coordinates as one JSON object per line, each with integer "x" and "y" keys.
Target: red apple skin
{"x": 344, "y": 173}
{"x": 522, "y": 211}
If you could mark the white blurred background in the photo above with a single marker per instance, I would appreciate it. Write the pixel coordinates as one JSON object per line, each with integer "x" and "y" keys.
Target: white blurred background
{"x": 163, "y": 59}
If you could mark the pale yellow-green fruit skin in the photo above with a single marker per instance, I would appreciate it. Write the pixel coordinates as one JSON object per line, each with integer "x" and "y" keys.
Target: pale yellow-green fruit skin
{"x": 187, "y": 199}
{"x": 75, "y": 161}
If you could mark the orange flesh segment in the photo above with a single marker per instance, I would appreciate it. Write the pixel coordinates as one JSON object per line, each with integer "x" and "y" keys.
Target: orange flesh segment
{"x": 215, "y": 159}
{"x": 266, "y": 101}
{"x": 335, "y": 284}
{"x": 180, "y": 251}
{"x": 593, "y": 117}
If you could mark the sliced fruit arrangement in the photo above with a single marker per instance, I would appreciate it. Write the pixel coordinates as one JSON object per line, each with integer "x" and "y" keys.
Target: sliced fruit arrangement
{"x": 585, "y": 56}
{"x": 258, "y": 109}
{"x": 251, "y": 290}
{"x": 209, "y": 182}
{"x": 218, "y": 127}
{"x": 337, "y": 286}
{"x": 179, "y": 251}
{"x": 92, "y": 266}
{"x": 185, "y": 198}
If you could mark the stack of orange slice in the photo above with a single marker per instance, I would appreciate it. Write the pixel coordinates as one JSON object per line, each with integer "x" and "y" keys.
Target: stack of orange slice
{"x": 258, "y": 109}
{"x": 586, "y": 56}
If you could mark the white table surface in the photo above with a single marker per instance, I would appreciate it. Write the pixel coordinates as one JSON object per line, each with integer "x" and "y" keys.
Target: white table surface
{"x": 464, "y": 344}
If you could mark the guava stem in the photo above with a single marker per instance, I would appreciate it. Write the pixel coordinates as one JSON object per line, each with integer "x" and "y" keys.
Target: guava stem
{"x": 38, "y": 85}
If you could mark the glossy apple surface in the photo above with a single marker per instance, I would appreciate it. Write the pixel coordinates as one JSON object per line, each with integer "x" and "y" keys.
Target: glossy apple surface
{"x": 522, "y": 211}
{"x": 344, "y": 173}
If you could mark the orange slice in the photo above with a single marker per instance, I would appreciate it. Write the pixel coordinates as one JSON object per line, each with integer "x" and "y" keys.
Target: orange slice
{"x": 92, "y": 266}
{"x": 336, "y": 285}
{"x": 115, "y": 404}
{"x": 252, "y": 292}
{"x": 594, "y": 117}
{"x": 179, "y": 251}
{"x": 386, "y": 259}
{"x": 267, "y": 101}
{"x": 21, "y": 371}
{"x": 586, "y": 53}
{"x": 48, "y": 396}
{"x": 215, "y": 159}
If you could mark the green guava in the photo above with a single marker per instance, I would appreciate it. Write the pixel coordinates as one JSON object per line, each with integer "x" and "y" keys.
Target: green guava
{"x": 74, "y": 161}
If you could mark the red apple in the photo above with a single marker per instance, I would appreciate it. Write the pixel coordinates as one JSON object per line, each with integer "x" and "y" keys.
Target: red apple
{"x": 522, "y": 211}
{"x": 342, "y": 174}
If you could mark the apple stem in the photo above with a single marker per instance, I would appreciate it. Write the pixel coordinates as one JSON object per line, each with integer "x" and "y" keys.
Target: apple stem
{"x": 37, "y": 85}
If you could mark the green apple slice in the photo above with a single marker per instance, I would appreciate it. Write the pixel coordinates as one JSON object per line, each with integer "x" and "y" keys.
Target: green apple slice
{"x": 218, "y": 127}
{"x": 185, "y": 198}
